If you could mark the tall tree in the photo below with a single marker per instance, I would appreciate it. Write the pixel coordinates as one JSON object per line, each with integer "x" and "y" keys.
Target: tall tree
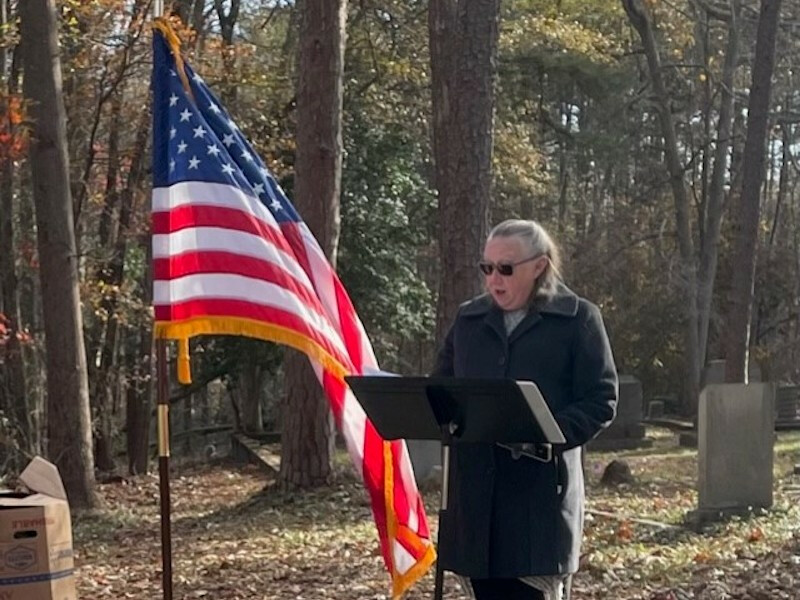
{"x": 227, "y": 22}
{"x": 112, "y": 275}
{"x": 307, "y": 436}
{"x": 748, "y": 211}
{"x": 463, "y": 46}
{"x": 697, "y": 276}
{"x": 13, "y": 393}
{"x": 711, "y": 221}
{"x": 69, "y": 428}
{"x": 141, "y": 386}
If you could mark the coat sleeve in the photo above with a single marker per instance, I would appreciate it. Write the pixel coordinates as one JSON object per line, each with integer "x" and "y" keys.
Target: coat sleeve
{"x": 594, "y": 383}
{"x": 444, "y": 359}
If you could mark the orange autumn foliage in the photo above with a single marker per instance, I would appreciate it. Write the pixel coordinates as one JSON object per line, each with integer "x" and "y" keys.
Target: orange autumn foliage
{"x": 13, "y": 137}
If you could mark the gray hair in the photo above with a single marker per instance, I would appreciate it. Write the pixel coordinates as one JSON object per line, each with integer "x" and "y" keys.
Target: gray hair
{"x": 536, "y": 239}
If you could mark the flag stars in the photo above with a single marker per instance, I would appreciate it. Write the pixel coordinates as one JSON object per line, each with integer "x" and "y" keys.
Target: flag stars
{"x": 194, "y": 162}
{"x": 199, "y": 131}
{"x": 197, "y": 77}
{"x": 182, "y": 147}
{"x": 247, "y": 156}
{"x": 228, "y": 169}
{"x": 228, "y": 139}
{"x": 185, "y": 115}
{"x": 213, "y": 150}
{"x": 171, "y": 165}
{"x": 258, "y": 189}
{"x": 275, "y": 205}
{"x": 172, "y": 132}
{"x": 214, "y": 108}
{"x": 173, "y": 100}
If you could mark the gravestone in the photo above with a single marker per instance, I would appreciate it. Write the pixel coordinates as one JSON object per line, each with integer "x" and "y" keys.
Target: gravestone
{"x": 714, "y": 372}
{"x": 736, "y": 424}
{"x": 426, "y": 458}
{"x": 655, "y": 409}
{"x": 672, "y": 405}
{"x": 627, "y": 430}
{"x": 787, "y": 410}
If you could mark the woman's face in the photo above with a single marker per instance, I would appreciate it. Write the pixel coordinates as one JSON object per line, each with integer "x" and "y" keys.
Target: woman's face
{"x": 511, "y": 292}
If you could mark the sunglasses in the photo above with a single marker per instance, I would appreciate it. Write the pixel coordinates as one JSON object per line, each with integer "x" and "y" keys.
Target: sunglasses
{"x": 506, "y": 269}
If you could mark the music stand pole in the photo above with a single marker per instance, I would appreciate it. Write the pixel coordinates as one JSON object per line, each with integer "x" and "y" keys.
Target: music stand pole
{"x": 447, "y": 440}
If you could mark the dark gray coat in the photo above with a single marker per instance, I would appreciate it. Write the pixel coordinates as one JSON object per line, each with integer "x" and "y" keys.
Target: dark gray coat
{"x": 506, "y": 517}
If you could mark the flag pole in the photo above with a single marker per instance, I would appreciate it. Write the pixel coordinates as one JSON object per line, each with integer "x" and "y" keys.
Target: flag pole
{"x": 163, "y": 437}
{"x": 163, "y": 466}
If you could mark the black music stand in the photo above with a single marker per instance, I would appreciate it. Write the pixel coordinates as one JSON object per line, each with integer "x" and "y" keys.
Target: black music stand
{"x": 452, "y": 411}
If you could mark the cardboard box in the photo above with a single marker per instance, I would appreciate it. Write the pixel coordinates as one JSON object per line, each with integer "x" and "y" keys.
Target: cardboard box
{"x": 36, "y": 560}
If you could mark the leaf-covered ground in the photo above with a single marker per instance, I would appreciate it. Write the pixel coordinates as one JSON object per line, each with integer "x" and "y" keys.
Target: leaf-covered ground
{"x": 236, "y": 538}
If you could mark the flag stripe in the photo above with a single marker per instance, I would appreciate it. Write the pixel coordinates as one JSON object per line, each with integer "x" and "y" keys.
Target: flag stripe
{"x": 205, "y": 193}
{"x": 352, "y": 331}
{"x": 318, "y": 268}
{"x": 241, "y": 292}
{"x": 183, "y": 311}
{"x": 354, "y": 420}
{"x": 200, "y": 239}
{"x": 194, "y": 263}
{"x": 234, "y": 219}
{"x": 373, "y": 474}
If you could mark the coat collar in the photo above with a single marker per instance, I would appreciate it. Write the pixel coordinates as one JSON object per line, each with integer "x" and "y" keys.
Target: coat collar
{"x": 564, "y": 303}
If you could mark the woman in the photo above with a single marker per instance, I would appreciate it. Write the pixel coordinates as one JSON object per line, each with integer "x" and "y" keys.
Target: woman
{"x": 514, "y": 522}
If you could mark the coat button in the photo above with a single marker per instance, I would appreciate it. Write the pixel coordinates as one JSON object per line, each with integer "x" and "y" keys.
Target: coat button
{"x": 501, "y": 361}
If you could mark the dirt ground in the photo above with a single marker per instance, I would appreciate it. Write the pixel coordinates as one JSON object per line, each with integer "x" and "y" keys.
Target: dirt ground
{"x": 236, "y": 538}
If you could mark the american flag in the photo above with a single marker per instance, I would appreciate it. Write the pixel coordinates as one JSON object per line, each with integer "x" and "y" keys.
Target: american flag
{"x": 232, "y": 256}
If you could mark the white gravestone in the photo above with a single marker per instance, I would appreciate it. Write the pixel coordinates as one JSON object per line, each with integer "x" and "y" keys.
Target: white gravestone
{"x": 736, "y": 433}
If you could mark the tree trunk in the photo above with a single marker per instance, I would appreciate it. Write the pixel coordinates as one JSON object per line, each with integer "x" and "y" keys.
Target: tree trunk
{"x": 702, "y": 54}
{"x": 141, "y": 381}
{"x": 112, "y": 275}
{"x": 227, "y": 21}
{"x": 783, "y": 178}
{"x": 463, "y": 43}
{"x": 251, "y": 377}
{"x": 641, "y": 21}
{"x": 69, "y": 428}
{"x": 307, "y": 437}
{"x": 87, "y": 145}
{"x": 183, "y": 9}
{"x": 709, "y": 250}
{"x": 187, "y": 423}
{"x": 30, "y": 301}
{"x": 138, "y": 401}
{"x": 13, "y": 395}
{"x": 100, "y": 376}
{"x": 747, "y": 215}
{"x": 198, "y": 23}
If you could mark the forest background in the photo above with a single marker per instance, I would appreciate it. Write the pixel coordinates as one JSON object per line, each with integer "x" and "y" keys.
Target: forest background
{"x": 581, "y": 142}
